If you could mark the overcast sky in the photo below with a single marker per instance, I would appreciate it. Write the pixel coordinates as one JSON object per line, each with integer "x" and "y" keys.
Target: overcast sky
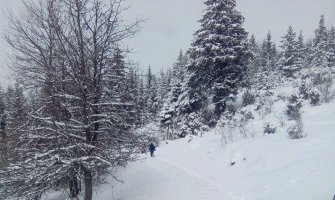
{"x": 170, "y": 25}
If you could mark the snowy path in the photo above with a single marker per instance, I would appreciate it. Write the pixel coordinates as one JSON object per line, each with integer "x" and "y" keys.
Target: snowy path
{"x": 159, "y": 179}
{"x": 193, "y": 186}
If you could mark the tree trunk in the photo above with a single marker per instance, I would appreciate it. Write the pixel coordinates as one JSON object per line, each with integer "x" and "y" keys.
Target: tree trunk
{"x": 88, "y": 185}
{"x": 74, "y": 187}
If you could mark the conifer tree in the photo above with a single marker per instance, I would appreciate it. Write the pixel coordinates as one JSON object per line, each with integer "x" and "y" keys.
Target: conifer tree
{"x": 169, "y": 118}
{"x": 268, "y": 70}
{"x": 3, "y": 121}
{"x": 290, "y": 63}
{"x": 151, "y": 94}
{"x": 255, "y": 62}
{"x": 136, "y": 88}
{"x": 19, "y": 109}
{"x": 218, "y": 55}
{"x": 302, "y": 51}
{"x": 331, "y": 48}
{"x": 269, "y": 54}
{"x": 319, "y": 49}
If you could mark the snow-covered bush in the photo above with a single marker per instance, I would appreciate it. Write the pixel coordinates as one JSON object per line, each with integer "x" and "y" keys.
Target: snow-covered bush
{"x": 244, "y": 118}
{"x": 194, "y": 126}
{"x": 315, "y": 97}
{"x": 247, "y": 114}
{"x": 281, "y": 119}
{"x": 248, "y": 98}
{"x": 296, "y": 131}
{"x": 226, "y": 126}
{"x": 293, "y": 108}
{"x": 323, "y": 81}
{"x": 269, "y": 128}
{"x": 304, "y": 91}
{"x": 265, "y": 106}
{"x": 326, "y": 89}
{"x": 207, "y": 117}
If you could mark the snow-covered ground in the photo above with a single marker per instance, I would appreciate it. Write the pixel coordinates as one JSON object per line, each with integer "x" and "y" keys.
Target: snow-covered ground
{"x": 267, "y": 167}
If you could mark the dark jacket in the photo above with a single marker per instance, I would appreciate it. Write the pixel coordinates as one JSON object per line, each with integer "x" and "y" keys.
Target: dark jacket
{"x": 152, "y": 147}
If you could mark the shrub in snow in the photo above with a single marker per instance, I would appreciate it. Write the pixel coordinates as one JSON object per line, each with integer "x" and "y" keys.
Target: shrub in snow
{"x": 269, "y": 93}
{"x": 247, "y": 114}
{"x": 296, "y": 131}
{"x": 244, "y": 117}
{"x": 248, "y": 98}
{"x": 280, "y": 118}
{"x": 326, "y": 89}
{"x": 315, "y": 97}
{"x": 269, "y": 128}
{"x": 323, "y": 81}
{"x": 266, "y": 105}
{"x": 194, "y": 126}
{"x": 226, "y": 126}
{"x": 304, "y": 91}
{"x": 231, "y": 109}
{"x": 293, "y": 108}
{"x": 207, "y": 117}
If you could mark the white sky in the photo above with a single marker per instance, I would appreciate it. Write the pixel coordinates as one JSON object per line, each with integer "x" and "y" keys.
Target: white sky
{"x": 170, "y": 25}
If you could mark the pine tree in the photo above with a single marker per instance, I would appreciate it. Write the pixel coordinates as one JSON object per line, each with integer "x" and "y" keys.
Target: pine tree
{"x": 8, "y": 101}
{"x": 255, "y": 62}
{"x": 179, "y": 68}
{"x": 120, "y": 88}
{"x": 331, "y": 48}
{"x": 269, "y": 53}
{"x": 218, "y": 55}
{"x": 169, "y": 118}
{"x": 3, "y": 121}
{"x": 19, "y": 109}
{"x": 290, "y": 63}
{"x": 152, "y": 94}
{"x": 136, "y": 89}
{"x": 268, "y": 72}
{"x": 319, "y": 49}
{"x": 302, "y": 51}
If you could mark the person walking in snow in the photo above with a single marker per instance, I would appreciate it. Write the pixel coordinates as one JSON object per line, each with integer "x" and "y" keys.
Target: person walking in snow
{"x": 152, "y": 148}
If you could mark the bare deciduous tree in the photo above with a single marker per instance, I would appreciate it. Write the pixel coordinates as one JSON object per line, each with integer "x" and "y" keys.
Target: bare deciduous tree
{"x": 64, "y": 50}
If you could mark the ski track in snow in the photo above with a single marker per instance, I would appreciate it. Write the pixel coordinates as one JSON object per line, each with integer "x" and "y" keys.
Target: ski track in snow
{"x": 194, "y": 186}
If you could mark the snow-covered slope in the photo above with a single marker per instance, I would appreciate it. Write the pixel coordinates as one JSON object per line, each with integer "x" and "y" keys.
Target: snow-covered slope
{"x": 266, "y": 167}
{"x": 270, "y": 167}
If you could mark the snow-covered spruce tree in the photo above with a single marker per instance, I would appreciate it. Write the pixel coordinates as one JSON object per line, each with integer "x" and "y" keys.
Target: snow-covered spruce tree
{"x": 290, "y": 62}
{"x": 254, "y": 65}
{"x": 19, "y": 108}
{"x": 301, "y": 51}
{"x": 151, "y": 94}
{"x": 319, "y": 49}
{"x": 65, "y": 49}
{"x": 8, "y": 101}
{"x": 169, "y": 116}
{"x": 15, "y": 107}
{"x": 119, "y": 88}
{"x": 218, "y": 56}
{"x": 267, "y": 75}
{"x": 331, "y": 48}
{"x": 3, "y": 117}
{"x": 136, "y": 89}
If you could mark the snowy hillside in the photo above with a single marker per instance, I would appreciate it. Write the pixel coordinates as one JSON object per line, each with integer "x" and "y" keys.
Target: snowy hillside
{"x": 266, "y": 167}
